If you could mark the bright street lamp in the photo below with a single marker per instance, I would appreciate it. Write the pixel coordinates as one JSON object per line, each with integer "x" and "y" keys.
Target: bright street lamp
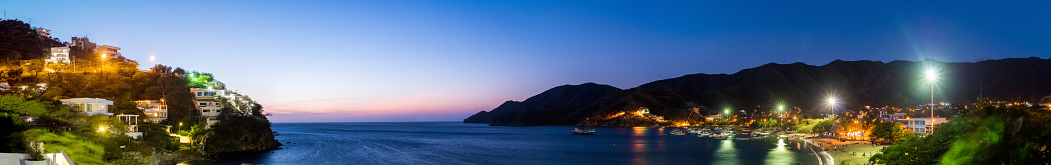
{"x": 832, "y": 101}
{"x": 931, "y": 77}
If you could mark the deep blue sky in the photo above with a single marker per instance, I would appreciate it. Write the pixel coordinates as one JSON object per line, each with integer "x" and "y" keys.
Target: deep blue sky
{"x": 390, "y": 60}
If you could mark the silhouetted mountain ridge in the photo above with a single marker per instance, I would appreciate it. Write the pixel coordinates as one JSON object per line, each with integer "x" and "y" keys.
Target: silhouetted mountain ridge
{"x": 855, "y": 83}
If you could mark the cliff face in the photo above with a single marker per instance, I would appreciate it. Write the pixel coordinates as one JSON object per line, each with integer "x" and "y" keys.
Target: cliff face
{"x": 237, "y": 134}
{"x": 548, "y": 108}
{"x": 855, "y": 83}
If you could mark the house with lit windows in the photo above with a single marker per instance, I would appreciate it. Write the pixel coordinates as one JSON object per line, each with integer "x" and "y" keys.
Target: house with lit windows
{"x": 920, "y": 126}
{"x": 207, "y": 105}
{"x": 89, "y": 106}
{"x": 59, "y": 55}
{"x": 155, "y": 110}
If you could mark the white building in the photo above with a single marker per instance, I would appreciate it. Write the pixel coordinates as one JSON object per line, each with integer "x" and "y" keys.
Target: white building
{"x": 713, "y": 117}
{"x": 206, "y": 103}
{"x": 921, "y": 125}
{"x": 132, "y": 122}
{"x": 889, "y": 117}
{"x": 156, "y": 110}
{"x": 59, "y": 158}
{"x": 43, "y": 31}
{"x": 59, "y": 55}
{"x": 89, "y": 106}
{"x": 109, "y": 51}
{"x": 239, "y": 102}
{"x": 209, "y": 107}
{"x": 82, "y": 43}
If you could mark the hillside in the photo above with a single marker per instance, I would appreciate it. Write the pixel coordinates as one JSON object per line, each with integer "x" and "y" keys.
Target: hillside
{"x": 856, "y": 83}
{"x": 38, "y": 71}
{"x": 552, "y": 107}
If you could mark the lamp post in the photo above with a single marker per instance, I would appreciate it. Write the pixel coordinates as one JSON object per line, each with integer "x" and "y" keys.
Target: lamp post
{"x": 832, "y": 105}
{"x": 931, "y": 77}
{"x": 781, "y": 109}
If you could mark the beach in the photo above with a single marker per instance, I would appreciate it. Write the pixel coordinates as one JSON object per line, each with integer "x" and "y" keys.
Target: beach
{"x": 846, "y": 152}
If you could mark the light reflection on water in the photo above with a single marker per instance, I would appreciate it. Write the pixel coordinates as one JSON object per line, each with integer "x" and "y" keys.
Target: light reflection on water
{"x": 781, "y": 154}
{"x": 458, "y": 143}
{"x": 727, "y": 153}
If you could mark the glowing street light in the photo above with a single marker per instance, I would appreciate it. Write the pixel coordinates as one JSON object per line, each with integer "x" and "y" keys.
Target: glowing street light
{"x": 102, "y": 129}
{"x": 931, "y": 76}
{"x": 832, "y": 101}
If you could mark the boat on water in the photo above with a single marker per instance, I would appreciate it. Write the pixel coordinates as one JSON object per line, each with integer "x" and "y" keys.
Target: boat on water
{"x": 695, "y": 130}
{"x": 703, "y": 134}
{"x": 582, "y": 131}
{"x": 721, "y": 136}
{"x": 676, "y": 132}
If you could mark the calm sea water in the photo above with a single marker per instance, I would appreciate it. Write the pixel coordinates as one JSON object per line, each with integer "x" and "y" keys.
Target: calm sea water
{"x": 460, "y": 143}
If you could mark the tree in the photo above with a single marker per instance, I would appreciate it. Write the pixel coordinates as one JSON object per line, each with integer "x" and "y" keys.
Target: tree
{"x": 990, "y": 135}
{"x": 11, "y": 127}
{"x": 823, "y": 126}
{"x": 199, "y": 80}
{"x": 889, "y": 132}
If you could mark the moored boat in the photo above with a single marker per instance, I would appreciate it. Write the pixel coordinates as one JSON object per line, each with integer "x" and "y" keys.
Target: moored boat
{"x": 676, "y": 132}
{"x": 582, "y": 131}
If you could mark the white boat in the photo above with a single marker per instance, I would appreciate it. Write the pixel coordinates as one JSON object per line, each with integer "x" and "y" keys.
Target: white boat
{"x": 676, "y": 132}
{"x": 582, "y": 131}
{"x": 694, "y": 130}
{"x": 703, "y": 134}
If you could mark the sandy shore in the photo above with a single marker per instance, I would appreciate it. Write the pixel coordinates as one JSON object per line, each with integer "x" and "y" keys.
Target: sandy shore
{"x": 846, "y": 152}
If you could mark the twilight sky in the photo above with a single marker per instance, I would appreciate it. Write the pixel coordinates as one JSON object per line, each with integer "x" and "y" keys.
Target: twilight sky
{"x": 388, "y": 60}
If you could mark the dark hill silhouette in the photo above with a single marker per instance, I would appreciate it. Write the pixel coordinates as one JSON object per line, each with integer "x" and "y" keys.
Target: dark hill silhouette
{"x": 856, "y": 83}
{"x": 547, "y": 108}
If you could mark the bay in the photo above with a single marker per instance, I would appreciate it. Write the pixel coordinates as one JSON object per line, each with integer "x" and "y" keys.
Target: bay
{"x": 462, "y": 143}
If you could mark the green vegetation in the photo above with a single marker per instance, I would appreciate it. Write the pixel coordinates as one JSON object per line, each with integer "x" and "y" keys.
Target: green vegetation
{"x": 887, "y": 132}
{"x": 992, "y": 134}
{"x": 200, "y": 80}
{"x": 769, "y": 123}
{"x": 79, "y": 149}
{"x": 34, "y": 115}
{"x": 816, "y": 126}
